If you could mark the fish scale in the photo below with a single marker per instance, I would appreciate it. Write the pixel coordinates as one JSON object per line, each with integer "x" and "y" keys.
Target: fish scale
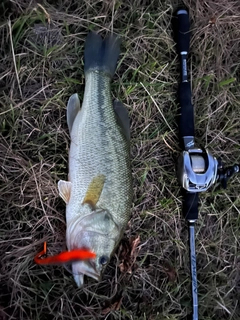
{"x": 102, "y": 151}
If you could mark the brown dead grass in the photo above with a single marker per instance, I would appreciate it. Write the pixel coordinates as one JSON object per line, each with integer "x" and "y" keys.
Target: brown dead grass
{"x": 47, "y": 46}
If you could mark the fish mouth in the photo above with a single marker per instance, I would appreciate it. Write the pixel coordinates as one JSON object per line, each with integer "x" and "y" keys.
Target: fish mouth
{"x": 88, "y": 268}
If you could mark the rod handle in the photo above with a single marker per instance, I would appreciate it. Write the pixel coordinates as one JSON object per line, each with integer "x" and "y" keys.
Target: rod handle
{"x": 190, "y": 205}
{"x": 186, "y": 116}
{"x": 183, "y": 31}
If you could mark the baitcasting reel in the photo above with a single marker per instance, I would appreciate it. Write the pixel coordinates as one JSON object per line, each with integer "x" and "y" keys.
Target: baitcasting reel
{"x": 198, "y": 170}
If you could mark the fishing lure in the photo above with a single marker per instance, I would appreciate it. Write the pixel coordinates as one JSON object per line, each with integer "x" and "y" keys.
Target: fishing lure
{"x": 63, "y": 257}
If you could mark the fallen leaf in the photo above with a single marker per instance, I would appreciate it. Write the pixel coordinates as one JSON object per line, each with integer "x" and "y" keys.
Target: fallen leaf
{"x": 212, "y": 21}
{"x": 128, "y": 252}
{"x": 134, "y": 251}
{"x": 170, "y": 272}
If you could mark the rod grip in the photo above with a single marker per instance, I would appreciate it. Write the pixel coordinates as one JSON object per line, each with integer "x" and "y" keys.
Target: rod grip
{"x": 186, "y": 116}
{"x": 183, "y": 31}
{"x": 190, "y": 205}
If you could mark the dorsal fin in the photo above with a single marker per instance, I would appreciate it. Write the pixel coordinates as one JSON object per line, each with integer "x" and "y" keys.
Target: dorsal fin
{"x": 122, "y": 117}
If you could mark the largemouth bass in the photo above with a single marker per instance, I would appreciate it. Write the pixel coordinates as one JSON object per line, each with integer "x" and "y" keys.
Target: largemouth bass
{"x": 98, "y": 193}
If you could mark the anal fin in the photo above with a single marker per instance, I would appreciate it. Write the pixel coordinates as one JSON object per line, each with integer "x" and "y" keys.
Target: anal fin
{"x": 73, "y": 107}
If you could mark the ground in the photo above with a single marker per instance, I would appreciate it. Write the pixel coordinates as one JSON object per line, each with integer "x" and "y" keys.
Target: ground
{"x": 41, "y": 66}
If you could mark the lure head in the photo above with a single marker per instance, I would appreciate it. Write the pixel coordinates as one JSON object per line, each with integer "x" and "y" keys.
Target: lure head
{"x": 98, "y": 233}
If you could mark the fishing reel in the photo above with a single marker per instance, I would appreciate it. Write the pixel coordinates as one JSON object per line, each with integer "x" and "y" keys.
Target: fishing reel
{"x": 198, "y": 170}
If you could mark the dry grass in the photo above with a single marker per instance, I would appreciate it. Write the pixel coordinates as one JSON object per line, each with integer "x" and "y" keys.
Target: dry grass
{"x": 41, "y": 66}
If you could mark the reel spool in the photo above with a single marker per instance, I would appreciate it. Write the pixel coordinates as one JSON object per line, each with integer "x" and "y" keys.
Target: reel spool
{"x": 197, "y": 170}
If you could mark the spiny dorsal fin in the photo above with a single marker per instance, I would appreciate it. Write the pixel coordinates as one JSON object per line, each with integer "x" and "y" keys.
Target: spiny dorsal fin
{"x": 64, "y": 188}
{"x": 94, "y": 191}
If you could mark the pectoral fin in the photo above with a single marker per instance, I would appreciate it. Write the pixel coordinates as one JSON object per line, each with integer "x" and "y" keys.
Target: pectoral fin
{"x": 64, "y": 188}
{"x": 73, "y": 107}
{"x": 94, "y": 190}
{"x": 122, "y": 118}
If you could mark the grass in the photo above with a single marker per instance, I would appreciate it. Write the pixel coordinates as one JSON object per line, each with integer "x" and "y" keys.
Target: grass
{"x": 41, "y": 66}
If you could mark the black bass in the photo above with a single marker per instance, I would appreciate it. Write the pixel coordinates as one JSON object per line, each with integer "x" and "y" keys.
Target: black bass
{"x": 98, "y": 193}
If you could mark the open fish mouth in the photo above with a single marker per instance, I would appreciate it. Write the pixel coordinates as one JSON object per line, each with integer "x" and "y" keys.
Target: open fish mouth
{"x": 88, "y": 268}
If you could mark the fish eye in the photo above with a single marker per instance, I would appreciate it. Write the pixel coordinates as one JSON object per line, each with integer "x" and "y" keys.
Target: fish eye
{"x": 103, "y": 260}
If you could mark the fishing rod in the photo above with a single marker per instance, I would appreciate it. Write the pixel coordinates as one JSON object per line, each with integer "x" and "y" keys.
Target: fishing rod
{"x": 197, "y": 168}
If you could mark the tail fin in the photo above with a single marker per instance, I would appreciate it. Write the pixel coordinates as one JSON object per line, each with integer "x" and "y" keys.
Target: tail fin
{"x": 101, "y": 54}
